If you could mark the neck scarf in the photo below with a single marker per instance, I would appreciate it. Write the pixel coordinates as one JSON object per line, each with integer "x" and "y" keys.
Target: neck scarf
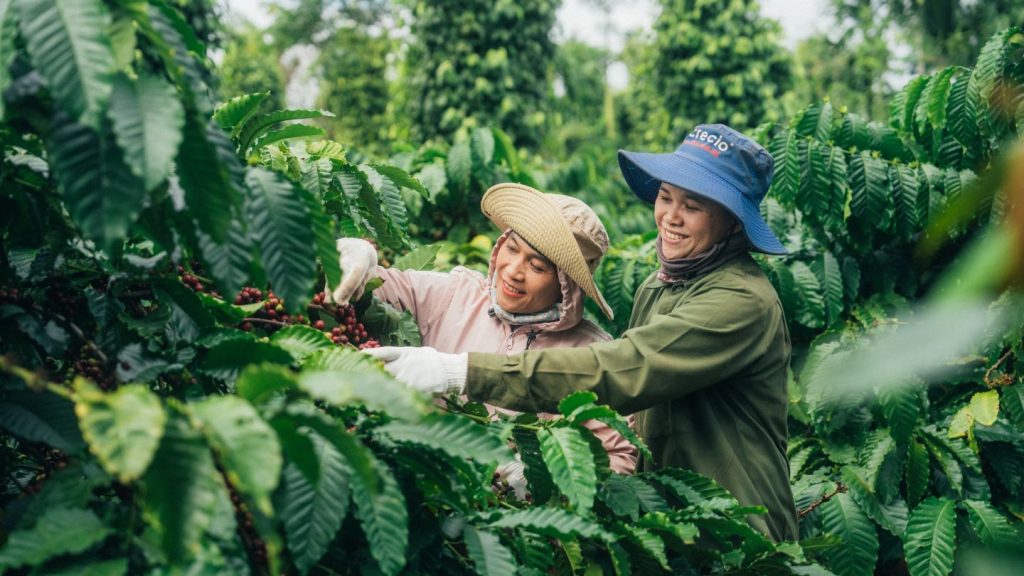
{"x": 549, "y": 314}
{"x": 689, "y": 268}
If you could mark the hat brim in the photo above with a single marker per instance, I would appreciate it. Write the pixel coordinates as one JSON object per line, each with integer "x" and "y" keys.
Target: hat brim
{"x": 540, "y": 223}
{"x": 644, "y": 172}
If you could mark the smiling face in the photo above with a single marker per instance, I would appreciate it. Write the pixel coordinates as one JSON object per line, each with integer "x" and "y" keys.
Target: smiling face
{"x": 525, "y": 281}
{"x": 688, "y": 224}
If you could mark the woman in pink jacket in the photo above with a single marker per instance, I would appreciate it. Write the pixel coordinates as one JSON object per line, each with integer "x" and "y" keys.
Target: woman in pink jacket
{"x": 531, "y": 298}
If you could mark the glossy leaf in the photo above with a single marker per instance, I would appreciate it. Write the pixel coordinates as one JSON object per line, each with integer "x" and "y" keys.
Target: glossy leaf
{"x": 421, "y": 258}
{"x": 182, "y": 489}
{"x": 102, "y": 194}
{"x": 918, "y": 472}
{"x": 571, "y": 464}
{"x": 301, "y": 341}
{"x": 226, "y": 359}
{"x": 312, "y": 512}
{"x": 67, "y": 42}
{"x": 452, "y": 434}
{"x": 280, "y": 223}
{"x": 57, "y": 532}
{"x": 551, "y": 522}
{"x": 147, "y": 118}
{"x": 41, "y": 417}
{"x": 258, "y": 125}
{"x": 858, "y": 554}
{"x": 232, "y": 115}
{"x": 992, "y": 528}
{"x": 123, "y": 429}
{"x": 381, "y": 511}
{"x": 375, "y": 391}
{"x": 931, "y": 538}
{"x": 246, "y": 446}
{"x": 211, "y": 176}
{"x": 490, "y": 557}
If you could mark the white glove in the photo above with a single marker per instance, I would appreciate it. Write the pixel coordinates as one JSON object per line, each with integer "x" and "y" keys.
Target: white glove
{"x": 358, "y": 261}
{"x": 424, "y": 368}
{"x": 512, "y": 472}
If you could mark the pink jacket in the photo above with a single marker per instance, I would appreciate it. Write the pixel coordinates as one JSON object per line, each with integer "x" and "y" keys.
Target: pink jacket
{"x": 452, "y": 310}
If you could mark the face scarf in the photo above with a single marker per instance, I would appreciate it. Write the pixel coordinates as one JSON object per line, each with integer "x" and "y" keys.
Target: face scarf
{"x": 689, "y": 268}
{"x": 549, "y": 314}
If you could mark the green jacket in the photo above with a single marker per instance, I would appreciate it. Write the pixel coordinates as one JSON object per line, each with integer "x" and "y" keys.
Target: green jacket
{"x": 703, "y": 363}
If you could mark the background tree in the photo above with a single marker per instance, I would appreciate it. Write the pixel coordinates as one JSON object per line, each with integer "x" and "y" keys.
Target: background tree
{"x": 478, "y": 62}
{"x": 352, "y": 68}
{"x": 252, "y": 64}
{"x": 719, "y": 61}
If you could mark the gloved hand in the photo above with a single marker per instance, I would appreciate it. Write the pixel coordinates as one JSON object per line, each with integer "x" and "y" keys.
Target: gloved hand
{"x": 424, "y": 368}
{"x": 513, "y": 473}
{"x": 358, "y": 261}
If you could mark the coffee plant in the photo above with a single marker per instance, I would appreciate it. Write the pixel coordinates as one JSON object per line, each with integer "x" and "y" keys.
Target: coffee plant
{"x": 176, "y": 396}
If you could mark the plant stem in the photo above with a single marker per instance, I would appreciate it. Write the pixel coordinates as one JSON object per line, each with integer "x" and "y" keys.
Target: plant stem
{"x": 266, "y": 321}
{"x": 840, "y": 488}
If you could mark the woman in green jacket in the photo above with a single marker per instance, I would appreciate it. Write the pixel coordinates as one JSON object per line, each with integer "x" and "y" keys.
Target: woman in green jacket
{"x": 704, "y": 360}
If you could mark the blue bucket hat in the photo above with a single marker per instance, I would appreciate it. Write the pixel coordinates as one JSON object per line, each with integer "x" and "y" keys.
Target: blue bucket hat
{"x": 717, "y": 163}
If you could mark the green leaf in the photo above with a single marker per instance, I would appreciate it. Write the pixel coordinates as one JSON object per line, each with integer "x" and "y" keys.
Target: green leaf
{"x": 8, "y": 30}
{"x": 870, "y": 198}
{"x": 312, "y": 512}
{"x": 985, "y": 407}
{"x": 147, "y": 118}
{"x": 234, "y": 113}
{"x": 401, "y": 178}
{"x": 460, "y": 164}
{"x": 649, "y": 542}
{"x": 123, "y": 429}
{"x": 211, "y": 176}
{"x": 280, "y": 223}
{"x": 901, "y": 115}
{"x": 858, "y": 554}
{"x": 343, "y": 360}
{"x": 1013, "y": 404}
{"x": 816, "y": 121}
{"x": 376, "y": 391}
{"x": 812, "y": 308}
{"x": 66, "y": 40}
{"x": 490, "y": 557}
{"x": 931, "y": 538}
{"x": 613, "y": 420}
{"x": 618, "y": 492}
{"x": 902, "y": 409}
{"x": 226, "y": 359}
{"x": 391, "y": 203}
{"x": 247, "y": 447}
{"x": 57, "y": 532}
{"x": 258, "y": 383}
{"x": 961, "y": 111}
{"x": 228, "y": 261}
{"x": 536, "y": 472}
{"x": 907, "y": 189}
{"x": 942, "y": 84}
{"x": 576, "y": 400}
{"x": 288, "y": 133}
{"x": 41, "y": 417}
{"x": 505, "y": 151}
{"x": 551, "y": 522}
{"x": 381, "y": 511}
{"x": 571, "y": 464}
{"x": 830, "y": 278}
{"x": 787, "y": 167}
{"x": 182, "y": 489}
{"x": 324, "y": 234}
{"x": 102, "y": 194}
{"x": 258, "y": 125}
{"x": 421, "y": 258}
{"x": 992, "y": 528}
{"x": 864, "y": 495}
{"x": 918, "y": 472}
{"x": 301, "y": 341}
{"x": 455, "y": 435}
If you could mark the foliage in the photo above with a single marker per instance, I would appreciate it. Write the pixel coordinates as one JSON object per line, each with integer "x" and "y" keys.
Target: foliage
{"x": 352, "y": 70}
{"x": 718, "y": 62}
{"x": 479, "y": 63}
{"x": 252, "y": 65}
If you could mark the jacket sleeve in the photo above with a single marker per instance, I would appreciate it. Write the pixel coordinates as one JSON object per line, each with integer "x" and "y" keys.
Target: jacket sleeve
{"x": 708, "y": 339}
{"x": 426, "y": 295}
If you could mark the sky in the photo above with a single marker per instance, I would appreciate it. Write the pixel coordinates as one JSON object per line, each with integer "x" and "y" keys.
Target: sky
{"x": 577, "y": 19}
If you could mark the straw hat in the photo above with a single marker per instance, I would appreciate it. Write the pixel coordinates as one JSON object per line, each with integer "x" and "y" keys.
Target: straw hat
{"x": 562, "y": 228}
